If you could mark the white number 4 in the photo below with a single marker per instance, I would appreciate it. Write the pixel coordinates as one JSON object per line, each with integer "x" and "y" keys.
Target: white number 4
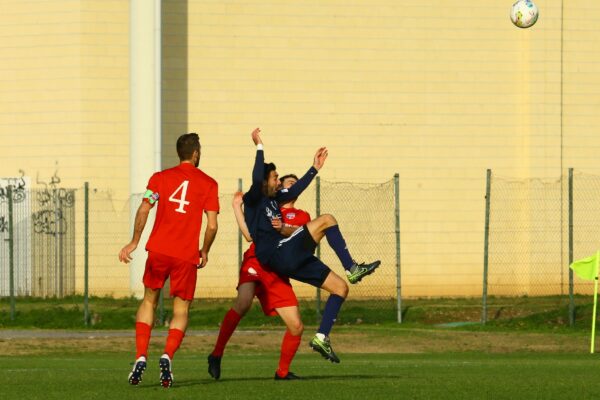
{"x": 181, "y": 200}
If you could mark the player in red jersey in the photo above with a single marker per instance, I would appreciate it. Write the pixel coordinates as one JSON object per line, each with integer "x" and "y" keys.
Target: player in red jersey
{"x": 274, "y": 292}
{"x": 183, "y": 193}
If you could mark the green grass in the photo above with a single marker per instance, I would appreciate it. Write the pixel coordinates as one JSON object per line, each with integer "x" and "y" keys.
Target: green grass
{"x": 359, "y": 376}
{"x": 522, "y": 313}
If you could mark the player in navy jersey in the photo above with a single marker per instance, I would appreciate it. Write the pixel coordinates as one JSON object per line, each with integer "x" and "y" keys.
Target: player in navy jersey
{"x": 289, "y": 252}
{"x": 274, "y": 292}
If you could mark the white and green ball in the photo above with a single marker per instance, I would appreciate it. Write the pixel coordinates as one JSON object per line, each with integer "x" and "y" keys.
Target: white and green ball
{"x": 524, "y": 13}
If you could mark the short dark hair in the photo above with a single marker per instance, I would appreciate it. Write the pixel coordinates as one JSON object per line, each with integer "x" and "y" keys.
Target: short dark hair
{"x": 186, "y": 145}
{"x": 268, "y": 168}
{"x": 283, "y": 178}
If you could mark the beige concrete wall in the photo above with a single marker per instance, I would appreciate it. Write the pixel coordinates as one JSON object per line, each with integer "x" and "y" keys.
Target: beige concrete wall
{"x": 435, "y": 92}
{"x": 64, "y": 106}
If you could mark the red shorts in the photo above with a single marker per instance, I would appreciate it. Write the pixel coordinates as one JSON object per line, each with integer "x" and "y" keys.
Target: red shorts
{"x": 183, "y": 275}
{"x": 272, "y": 290}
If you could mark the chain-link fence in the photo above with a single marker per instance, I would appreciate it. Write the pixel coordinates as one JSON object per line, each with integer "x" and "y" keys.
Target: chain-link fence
{"x": 65, "y": 242}
{"x": 535, "y": 229}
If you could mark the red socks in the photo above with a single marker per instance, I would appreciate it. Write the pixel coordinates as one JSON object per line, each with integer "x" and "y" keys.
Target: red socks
{"x": 230, "y": 322}
{"x": 142, "y": 339}
{"x": 289, "y": 347}
{"x": 173, "y": 342}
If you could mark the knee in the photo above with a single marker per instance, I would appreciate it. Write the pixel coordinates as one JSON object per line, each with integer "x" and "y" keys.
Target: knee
{"x": 296, "y": 328}
{"x": 242, "y": 306}
{"x": 149, "y": 302}
{"x": 342, "y": 289}
{"x": 180, "y": 312}
{"x": 329, "y": 220}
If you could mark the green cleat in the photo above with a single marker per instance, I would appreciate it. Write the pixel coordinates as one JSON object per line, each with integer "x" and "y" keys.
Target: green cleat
{"x": 324, "y": 348}
{"x": 359, "y": 271}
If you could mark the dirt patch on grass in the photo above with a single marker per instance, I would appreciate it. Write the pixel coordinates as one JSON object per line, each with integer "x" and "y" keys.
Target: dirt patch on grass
{"x": 344, "y": 341}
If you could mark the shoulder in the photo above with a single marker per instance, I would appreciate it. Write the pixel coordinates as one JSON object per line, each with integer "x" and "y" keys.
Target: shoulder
{"x": 202, "y": 176}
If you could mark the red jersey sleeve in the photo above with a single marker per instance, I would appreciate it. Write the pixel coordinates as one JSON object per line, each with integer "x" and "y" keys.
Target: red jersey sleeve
{"x": 212, "y": 202}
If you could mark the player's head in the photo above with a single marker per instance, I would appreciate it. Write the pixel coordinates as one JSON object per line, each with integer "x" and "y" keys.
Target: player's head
{"x": 270, "y": 180}
{"x": 188, "y": 148}
{"x": 286, "y": 182}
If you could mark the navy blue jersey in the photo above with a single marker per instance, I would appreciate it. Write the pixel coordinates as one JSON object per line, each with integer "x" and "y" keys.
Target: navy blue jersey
{"x": 259, "y": 209}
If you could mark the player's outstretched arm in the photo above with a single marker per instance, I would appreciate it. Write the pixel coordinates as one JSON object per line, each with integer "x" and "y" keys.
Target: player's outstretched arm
{"x": 209, "y": 236}
{"x": 285, "y": 195}
{"x": 255, "y": 193}
{"x": 141, "y": 216}
{"x": 238, "y": 211}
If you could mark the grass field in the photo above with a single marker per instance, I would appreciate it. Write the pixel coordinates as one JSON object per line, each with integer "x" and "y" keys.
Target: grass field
{"x": 359, "y": 376}
{"x": 527, "y": 351}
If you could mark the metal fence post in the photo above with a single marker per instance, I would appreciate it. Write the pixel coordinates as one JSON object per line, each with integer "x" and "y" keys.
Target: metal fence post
{"x": 318, "y": 212}
{"x": 398, "y": 272}
{"x": 11, "y": 252}
{"x": 86, "y": 254}
{"x": 56, "y": 243}
{"x": 239, "y": 232}
{"x": 571, "y": 298}
{"x": 486, "y": 245}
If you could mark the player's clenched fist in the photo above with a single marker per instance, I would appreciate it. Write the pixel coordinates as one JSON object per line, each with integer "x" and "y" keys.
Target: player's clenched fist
{"x": 256, "y": 136}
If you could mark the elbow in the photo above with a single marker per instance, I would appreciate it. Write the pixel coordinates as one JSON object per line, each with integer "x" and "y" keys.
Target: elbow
{"x": 212, "y": 227}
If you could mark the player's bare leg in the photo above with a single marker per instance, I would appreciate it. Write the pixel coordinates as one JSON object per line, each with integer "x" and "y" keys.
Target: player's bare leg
{"x": 326, "y": 226}
{"x": 143, "y": 327}
{"x": 338, "y": 290}
{"x": 291, "y": 341}
{"x": 177, "y": 329}
{"x": 242, "y": 304}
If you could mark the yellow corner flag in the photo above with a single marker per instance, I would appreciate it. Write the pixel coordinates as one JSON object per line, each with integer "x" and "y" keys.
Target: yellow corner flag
{"x": 586, "y": 268}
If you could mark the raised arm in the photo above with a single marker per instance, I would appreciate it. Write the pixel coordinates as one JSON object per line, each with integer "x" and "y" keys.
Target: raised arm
{"x": 239, "y": 215}
{"x": 285, "y": 195}
{"x": 255, "y": 193}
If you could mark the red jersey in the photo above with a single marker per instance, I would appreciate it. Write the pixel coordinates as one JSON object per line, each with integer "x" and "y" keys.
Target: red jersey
{"x": 291, "y": 216}
{"x": 183, "y": 194}
{"x": 294, "y": 216}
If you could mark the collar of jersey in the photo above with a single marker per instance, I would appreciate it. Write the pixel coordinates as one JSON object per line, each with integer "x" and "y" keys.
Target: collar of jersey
{"x": 186, "y": 165}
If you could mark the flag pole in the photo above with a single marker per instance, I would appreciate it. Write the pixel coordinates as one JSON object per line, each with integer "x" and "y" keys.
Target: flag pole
{"x": 595, "y": 304}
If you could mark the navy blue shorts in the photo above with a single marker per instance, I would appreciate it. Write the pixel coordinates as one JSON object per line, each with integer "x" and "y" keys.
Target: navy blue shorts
{"x": 294, "y": 258}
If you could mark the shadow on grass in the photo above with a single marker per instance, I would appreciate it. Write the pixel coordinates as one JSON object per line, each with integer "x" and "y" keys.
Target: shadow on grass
{"x": 200, "y": 382}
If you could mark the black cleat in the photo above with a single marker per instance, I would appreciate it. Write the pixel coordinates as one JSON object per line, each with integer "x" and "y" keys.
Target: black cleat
{"x": 166, "y": 376}
{"x": 324, "y": 348}
{"x": 289, "y": 377}
{"x": 359, "y": 271}
{"x": 214, "y": 366}
{"x": 135, "y": 376}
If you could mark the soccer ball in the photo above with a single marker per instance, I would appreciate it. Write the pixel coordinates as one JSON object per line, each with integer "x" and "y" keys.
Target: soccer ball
{"x": 524, "y": 13}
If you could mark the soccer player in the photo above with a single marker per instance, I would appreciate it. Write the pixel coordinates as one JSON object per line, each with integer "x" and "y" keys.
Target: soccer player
{"x": 290, "y": 252}
{"x": 183, "y": 193}
{"x": 275, "y": 293}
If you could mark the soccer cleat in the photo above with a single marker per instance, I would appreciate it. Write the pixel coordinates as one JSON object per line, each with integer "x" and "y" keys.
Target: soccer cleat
{"x": 214, "y": 366}
{"x": 359, "y": 271}
{"x": 323, "y": 346}
{"x": 289, "y": 377}
{"x": 135, "y": 376}
{"x": 166, "y": 376}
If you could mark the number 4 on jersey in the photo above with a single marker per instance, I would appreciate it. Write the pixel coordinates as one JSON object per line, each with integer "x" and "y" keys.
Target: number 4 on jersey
{"x": 181, "y": 200}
